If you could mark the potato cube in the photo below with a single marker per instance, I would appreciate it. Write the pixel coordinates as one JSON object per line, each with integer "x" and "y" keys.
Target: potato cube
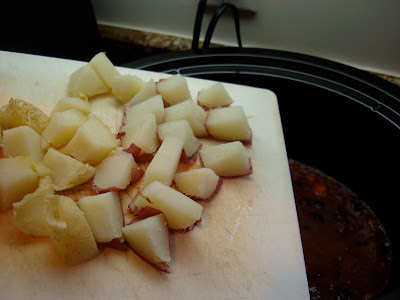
{"x": 92, "y": 142}
{"x": 173, "y": 89}
{"x": 229, "y": 160}
{"x": 104, "y": 215}
{"x": 148, "y": 90}
{"x": 125, "y": 87}
{"x": 67, "y": 103}
{"x": 104, "y": 68}
{"x": 22, "y": 141}
{"x": 115, "y": 171}
{"x": 180, "y": 129}
{"x": 17, "y": 179}
{"x": 85, "y": 82}
{"x": 62, "y": 127}
{"x": 191, "y": 112}
{"x": 152, "y": 105}
{"x": 29, "y": 213}
{"x": 141, "y": 133}
{"x": 214, "y": 96}
{"x": 228, "y": 124}
{"x": 163, "y": 166}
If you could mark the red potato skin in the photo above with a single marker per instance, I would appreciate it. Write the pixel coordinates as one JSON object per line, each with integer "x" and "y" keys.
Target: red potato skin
{"x": 212, "y": 195}
{"x": 188, "y": 228}
{"x": 192, "y": 159}
{"x": 136, "y": 174}
{"x": 235, "y": 176}
{"x": 120, "y": 133}
{"x": 99, "y": 190}
{"x": 115, "y": 244}
{"x": 138, "y": 155}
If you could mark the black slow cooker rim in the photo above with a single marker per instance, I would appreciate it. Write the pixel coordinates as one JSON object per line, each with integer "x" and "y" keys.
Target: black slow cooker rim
{"x": 380, "y": 95}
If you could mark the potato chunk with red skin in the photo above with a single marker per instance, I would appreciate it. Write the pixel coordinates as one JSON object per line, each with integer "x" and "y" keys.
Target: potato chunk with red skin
{"x": 214, "y": 96}
{"x": 173, "y": 89}
{"x": 149, "y": 238}
{"x": 229, "y": 124}
{"x": 198, "y": 184}
{"x": 227, "y": 160}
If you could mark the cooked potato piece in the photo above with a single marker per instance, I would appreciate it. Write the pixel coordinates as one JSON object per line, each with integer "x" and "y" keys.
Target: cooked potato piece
{"x": 85, "y": 82}
{"x": 22, "y": 141}
{"x": 17, "y": 179}
{"x": 19, "y": 112}
{"x": 62, "y": 127}
{"x": 68, "y": 171}
{"x": 92, "y": 142}
{"x": 69, "y": 230}
{"x": 29, "y": 213}
{"x": 67, "y": 103}
{"x": 125, "y": 87}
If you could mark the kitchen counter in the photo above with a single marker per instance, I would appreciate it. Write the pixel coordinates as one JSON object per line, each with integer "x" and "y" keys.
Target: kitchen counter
{"x": 164, "y": 43}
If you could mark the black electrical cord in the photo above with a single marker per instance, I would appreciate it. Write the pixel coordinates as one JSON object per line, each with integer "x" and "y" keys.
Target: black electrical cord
{"x": 214, "y": 21}
{"x": 197, "y": 25}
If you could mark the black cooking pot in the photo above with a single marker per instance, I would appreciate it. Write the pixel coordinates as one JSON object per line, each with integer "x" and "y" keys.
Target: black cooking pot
{"x": 338, "y": 119}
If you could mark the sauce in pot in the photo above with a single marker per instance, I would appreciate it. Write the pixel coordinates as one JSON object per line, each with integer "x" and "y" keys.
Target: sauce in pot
{"x": 346, "y": 250}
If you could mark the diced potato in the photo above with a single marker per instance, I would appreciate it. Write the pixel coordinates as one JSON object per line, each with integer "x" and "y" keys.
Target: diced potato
{"x": 115, "y": 171}
{"x": 68, "y": 172}
{"x": 17, "y": 179}
{"x": 181, "y": 211}
{"x": 148, "y": 90}
{"x": 180, "y": 129}
{"x": 150, "y": 239}
{"x": 19, "y": 112}
{"x": 198, "y": 183}
{"x": 229, "y": 159}
{"x": 104, "y": 68}
{"x": 191, "y": 112}
{"x": 69, "y": 231}
{"x": 29, "y": 213}
{"x": 22, "y": 141}
{"x": 163, "y": 166}
{"x": 142, "y": 133}
{"x": 173, "y": 89}
{"x": 228, "y": 124}
{"x": 67, "y": 103}
{"x": 214, "y": 96}
{"x": 92, "y": 142}
{"x": 152, "y": 105}
{"x": 62, "y": 127}
{"x": 85, "y": 82}
{"x": 104, "y": 215}
{"x": 125, "y": 87}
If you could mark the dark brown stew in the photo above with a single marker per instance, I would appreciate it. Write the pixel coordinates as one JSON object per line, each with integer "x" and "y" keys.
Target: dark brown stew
{"x": 346, "y": 251}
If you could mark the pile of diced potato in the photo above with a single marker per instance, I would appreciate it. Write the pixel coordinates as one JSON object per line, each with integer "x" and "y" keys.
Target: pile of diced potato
{"x": 162, "y": 127}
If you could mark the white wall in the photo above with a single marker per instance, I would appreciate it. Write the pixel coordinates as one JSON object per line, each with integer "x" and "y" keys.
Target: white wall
{"x": 361, "y": 33}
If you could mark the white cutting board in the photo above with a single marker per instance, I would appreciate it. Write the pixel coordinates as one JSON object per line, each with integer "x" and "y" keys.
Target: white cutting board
{"x": 247, "y": 246}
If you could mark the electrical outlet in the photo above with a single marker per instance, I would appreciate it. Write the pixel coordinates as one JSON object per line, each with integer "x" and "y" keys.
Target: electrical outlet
{"x": 241, "y": 5}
